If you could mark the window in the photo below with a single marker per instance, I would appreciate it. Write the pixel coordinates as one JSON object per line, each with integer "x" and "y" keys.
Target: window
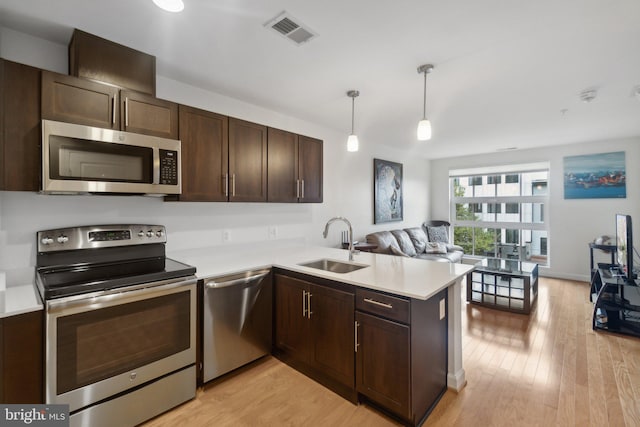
{"x": 512, "y": 208}
{"x": 499, "y": 213}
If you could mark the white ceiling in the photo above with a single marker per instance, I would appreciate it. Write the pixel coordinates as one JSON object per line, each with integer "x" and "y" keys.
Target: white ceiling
{"x": 507, "y": 73}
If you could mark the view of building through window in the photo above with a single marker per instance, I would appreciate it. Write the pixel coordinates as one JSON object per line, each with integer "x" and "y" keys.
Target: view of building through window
{"x": 502, "y": 215}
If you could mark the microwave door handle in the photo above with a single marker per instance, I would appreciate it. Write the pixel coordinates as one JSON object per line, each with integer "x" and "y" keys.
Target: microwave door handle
{"x": 156, "y": 165}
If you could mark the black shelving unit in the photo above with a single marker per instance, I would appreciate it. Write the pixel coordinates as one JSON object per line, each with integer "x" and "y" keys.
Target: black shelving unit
{"x": 616, "y": 302}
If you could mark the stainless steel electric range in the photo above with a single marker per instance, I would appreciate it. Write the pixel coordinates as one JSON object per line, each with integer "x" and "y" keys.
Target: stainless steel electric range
{"x": 120, "y": 323}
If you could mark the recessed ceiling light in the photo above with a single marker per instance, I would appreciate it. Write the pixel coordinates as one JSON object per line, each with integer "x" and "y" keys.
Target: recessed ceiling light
{"x": 170, "y": 5}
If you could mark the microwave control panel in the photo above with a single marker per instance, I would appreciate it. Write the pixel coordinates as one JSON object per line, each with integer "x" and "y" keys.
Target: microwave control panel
{"x": 168, "y": 167}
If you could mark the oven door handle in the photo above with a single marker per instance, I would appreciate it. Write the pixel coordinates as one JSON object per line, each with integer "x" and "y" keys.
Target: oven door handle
{"x": 213, "y": 284}
{"x": 102, "y": 299}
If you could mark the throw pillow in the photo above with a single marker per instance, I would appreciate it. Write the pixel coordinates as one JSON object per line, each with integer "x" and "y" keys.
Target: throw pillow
{"x": 438, "y": 234}
{"x": 436, "y": 248}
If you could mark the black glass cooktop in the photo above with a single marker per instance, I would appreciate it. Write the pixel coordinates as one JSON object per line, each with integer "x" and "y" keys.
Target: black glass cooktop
{"x": 61, "y": 281}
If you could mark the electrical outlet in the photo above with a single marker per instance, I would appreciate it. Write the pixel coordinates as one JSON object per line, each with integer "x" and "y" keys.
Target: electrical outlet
{"x": 226, "y": 236}
{"x": 273, "y": 232}
{"x": 443, "y": 309}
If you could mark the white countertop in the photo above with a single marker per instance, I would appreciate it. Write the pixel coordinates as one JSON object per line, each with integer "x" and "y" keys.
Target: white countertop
{"x": 18, "y": 300}
{"x": 413, "y": 278}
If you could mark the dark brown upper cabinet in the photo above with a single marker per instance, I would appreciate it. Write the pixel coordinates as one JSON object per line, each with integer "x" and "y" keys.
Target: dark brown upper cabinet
{"x": 145, "y": 114}
{"x": 247, "y": 161}
{"x": 86, "y": 102}
{"x": 310, "y": 169}
{"x": 20, "y": 129}
{"x": 102, "y": 60}
{"x": 205, "y": 153}
{"x": 294, "y": 168}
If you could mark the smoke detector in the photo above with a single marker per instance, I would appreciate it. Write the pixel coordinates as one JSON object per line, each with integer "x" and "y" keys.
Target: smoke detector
{"x": 291, "y": 28}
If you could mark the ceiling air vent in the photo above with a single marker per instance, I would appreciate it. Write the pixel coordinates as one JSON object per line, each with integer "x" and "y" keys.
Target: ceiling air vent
{"x": 291, "y": 28}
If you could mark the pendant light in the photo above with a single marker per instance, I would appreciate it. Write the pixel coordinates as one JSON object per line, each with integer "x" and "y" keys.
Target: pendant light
{"x": 424, "y": 125}
{"x": 352, "y": 141}
{"x": 170, "y": 5}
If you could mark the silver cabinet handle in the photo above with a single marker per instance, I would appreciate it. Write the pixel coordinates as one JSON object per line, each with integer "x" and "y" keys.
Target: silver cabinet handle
{"x": 126, "y": 111}
{"x": 297, "y": 188}
{"x": 302, "y": 189}
{"x": 378, "y": 303}
{"x": 226, "y": 185}
{"x": 309, "y": 312}
{"x": 356, "y": 335}
{"x": 113, "y": 105}
{"x": 304, "y": 303}
{"x": 233, "y": 184}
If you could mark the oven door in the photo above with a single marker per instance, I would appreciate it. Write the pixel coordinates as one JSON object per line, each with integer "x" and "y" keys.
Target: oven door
{"x": 85, "y": 159}
{"x": 99, "y": 346}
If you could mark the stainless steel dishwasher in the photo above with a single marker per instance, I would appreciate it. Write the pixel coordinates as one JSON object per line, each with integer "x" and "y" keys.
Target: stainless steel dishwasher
{"x": 237, "y": 321}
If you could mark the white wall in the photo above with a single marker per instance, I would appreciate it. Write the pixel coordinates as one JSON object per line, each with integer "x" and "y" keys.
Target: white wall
{"x": 572, "y": 223}
{"x": 348, "y": 187}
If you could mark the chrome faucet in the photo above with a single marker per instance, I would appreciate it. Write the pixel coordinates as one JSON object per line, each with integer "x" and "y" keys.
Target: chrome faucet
{"x": 345, "y": 220}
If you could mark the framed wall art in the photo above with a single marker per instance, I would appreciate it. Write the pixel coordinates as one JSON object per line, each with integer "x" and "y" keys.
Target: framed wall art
{"x": 387, "y": 191}
{"x": 595, "y": 176}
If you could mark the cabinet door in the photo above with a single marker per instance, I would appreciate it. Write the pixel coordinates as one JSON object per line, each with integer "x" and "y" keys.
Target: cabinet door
{"x": 382, "y": 362}
{"x": 20, "y": 132}
{"x": 205, "y": 146}
{"x": 76, "y": 100}
{"x": 145, "y": 114}
{"x": 310, "y": 161}
{"x": 21, "y": 359}
{"x": 247, "y": 161}
{"x": 292, "y": 326}
{"x": 282, "y": 166}
{"x": 332, "y": 320}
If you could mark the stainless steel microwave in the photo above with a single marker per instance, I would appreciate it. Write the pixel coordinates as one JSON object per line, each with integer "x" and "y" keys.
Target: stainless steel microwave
{"x": 84, "y": 159}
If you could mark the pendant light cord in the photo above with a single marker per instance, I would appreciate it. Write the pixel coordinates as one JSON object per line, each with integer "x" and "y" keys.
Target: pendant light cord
{"x": 353, "y": 106}
{"x": 424, "y": 97}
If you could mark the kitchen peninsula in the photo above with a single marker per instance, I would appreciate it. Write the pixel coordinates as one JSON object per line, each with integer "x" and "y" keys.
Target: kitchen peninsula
{"x": 411, "y": 308}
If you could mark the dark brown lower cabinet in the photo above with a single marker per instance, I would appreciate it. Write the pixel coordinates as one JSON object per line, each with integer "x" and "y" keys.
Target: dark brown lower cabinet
{"x": 314, "y": 331}
{"x": 383, "y": 362}
{"x": 365, "y": 345}
{"x": 21, "y": 358}
{"x": 401, "y": 361}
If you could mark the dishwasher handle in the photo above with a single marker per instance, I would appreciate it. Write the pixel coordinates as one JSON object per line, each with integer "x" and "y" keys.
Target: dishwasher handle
{"x": 223, "y": 282}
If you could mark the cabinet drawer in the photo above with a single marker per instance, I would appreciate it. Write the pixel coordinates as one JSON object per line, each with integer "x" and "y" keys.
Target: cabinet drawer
{"x": 380, "y": 304}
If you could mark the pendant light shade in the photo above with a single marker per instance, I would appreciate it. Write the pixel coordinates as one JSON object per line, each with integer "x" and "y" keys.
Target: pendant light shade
{"x": 170, "y": 5}
{"x": 424, "y": 130}
{"x": 352, "y": 141}
{"x": 424, "y": 125}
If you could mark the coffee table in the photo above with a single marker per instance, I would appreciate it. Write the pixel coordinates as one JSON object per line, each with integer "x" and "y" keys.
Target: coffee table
{"x": 504, "y": 284}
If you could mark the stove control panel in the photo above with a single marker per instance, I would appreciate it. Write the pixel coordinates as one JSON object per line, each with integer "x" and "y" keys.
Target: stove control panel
{"x": 99, "y": 236}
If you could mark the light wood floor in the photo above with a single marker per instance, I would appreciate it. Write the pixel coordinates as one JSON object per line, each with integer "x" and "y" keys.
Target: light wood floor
{"x": 546, "y": 369}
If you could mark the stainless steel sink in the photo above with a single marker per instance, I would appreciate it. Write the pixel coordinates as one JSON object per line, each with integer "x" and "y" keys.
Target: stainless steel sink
{"x": 333, "y": 266}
